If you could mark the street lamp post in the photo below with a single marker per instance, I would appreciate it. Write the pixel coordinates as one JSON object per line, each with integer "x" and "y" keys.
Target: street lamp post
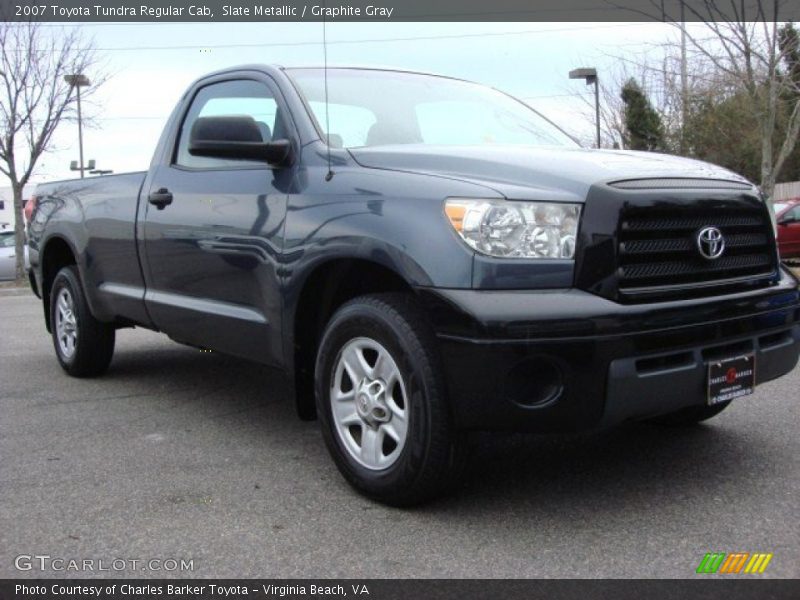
{"x": 77, "y": 81}
{"x": 590, "y": 75}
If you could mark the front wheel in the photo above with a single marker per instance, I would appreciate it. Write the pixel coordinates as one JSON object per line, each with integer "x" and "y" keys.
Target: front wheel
{"x": 382, "y": 402}
{"x": 84, "y": 346}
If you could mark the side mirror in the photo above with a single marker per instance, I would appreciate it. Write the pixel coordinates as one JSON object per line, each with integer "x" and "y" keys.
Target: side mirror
{"x": 787, "y": 219}
{"x": 236, "y": 137}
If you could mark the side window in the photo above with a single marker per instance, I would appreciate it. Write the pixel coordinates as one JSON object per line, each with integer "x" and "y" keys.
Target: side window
{"x": 795, "y": 213}
{"x": 230, "y": 98}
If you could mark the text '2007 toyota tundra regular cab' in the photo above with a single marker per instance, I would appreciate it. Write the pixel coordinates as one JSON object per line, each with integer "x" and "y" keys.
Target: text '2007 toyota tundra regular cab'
{"x": 434, "y": 259}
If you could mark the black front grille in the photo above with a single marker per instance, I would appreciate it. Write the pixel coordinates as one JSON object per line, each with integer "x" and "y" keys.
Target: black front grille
{"x": 658, "y": 250}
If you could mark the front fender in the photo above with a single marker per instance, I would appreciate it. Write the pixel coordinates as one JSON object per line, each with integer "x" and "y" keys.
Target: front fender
{"x": 393, "y": 218}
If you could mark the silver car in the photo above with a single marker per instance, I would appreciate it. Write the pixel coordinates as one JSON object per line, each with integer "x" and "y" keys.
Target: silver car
{"x": 8, "y": 256}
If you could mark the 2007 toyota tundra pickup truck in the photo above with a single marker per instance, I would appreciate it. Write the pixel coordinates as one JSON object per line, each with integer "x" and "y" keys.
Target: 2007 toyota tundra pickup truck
{"x": 422, "y": 256}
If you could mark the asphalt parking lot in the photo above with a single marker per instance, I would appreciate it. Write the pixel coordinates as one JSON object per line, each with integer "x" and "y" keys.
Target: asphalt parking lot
{"x": 181, "y": 454}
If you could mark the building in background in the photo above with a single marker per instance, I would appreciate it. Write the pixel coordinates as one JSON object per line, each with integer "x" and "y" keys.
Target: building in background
{"x": 786, "y": 191}
{"x": 7, "y": 205}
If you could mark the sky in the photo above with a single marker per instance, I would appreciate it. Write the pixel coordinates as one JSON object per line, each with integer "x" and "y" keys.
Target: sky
{"x": 151, "y": 64}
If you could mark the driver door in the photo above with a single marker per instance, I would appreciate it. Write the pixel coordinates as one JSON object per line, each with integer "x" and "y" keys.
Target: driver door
{"x": 212, "y": 250}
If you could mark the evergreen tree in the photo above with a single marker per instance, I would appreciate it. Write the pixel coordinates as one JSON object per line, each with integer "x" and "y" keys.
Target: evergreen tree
{"x": 643, "y": 127}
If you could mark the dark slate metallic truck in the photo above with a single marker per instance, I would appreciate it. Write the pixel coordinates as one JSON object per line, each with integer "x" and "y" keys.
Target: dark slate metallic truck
{"x": 422, "y": 256}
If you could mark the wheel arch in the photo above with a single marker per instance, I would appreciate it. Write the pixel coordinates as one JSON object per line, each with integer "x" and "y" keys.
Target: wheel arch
{"x": 56, "y": 254}
{"x": 325, "y": 288}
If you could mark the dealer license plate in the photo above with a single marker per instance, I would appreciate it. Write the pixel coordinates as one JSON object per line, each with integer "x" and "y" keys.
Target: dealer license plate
{"x": 731, "y": 378}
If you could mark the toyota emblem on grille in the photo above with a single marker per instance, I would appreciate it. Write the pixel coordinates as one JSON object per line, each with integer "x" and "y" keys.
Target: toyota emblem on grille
{"x": 710, "y": 242}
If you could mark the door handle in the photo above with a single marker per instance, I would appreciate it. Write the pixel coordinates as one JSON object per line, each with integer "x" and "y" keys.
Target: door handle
{"x": 160, "y": 198}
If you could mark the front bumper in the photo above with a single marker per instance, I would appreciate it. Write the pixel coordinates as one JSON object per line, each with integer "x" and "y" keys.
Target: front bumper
{"x": 562, "y": 360}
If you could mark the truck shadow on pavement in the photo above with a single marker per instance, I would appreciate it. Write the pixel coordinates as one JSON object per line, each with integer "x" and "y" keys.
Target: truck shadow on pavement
{"x": 607, "y": 471}
{"x": 636, "y": 464}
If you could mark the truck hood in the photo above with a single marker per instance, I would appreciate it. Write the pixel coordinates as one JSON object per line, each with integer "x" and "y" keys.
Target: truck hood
{"x": 535, "y": 173}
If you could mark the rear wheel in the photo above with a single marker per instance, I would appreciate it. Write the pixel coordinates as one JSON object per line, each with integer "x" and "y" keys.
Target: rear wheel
{"x": 84, "y": 346}
{"x": 382, "y": 403}
{"x": 691, "y": 415}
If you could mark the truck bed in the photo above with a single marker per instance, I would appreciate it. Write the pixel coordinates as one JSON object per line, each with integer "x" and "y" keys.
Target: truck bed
{"x": 98, "y": 214}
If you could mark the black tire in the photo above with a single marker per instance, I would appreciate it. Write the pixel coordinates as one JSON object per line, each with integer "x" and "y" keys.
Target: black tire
{"x": 94, "y": 343}
{"x": 433, "y": 456}
{"x": 690, "y": 415}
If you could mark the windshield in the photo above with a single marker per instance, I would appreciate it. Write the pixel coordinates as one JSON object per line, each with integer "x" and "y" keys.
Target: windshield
{"x": 376, "y": 108}
{"x": 779, "y": 206}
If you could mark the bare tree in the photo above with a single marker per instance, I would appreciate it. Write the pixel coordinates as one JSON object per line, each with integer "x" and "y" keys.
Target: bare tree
{"x": 612, "y": 120}
{"x": 612, "y": 108}
{"x": 742, "y": 42}
{"x": 658, "y": 70}
{"x": 34, "y": 99}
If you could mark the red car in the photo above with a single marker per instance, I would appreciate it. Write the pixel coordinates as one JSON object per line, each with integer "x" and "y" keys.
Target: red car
{"x": 788, "y": 214}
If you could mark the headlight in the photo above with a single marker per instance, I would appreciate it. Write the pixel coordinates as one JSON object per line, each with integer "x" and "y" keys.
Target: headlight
{"x": 511, "y": 229}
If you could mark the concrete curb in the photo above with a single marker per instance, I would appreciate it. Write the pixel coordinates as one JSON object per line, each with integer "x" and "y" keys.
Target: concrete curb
{"x": 15, "y": 291}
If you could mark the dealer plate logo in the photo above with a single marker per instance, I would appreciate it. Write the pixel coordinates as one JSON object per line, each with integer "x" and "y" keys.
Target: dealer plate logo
{"x": 734, "y": 563}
